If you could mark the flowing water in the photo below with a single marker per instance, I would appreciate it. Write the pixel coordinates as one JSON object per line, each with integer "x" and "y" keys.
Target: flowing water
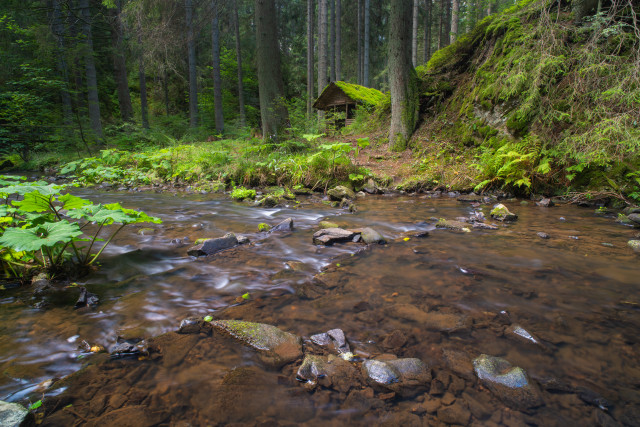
{"x": 576, "y": 292}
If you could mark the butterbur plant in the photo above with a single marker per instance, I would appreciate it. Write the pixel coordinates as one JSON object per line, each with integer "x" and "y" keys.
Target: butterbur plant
{"x": 41, "y": 228}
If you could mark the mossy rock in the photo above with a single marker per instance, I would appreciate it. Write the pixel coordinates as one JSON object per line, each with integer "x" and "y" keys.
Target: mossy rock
{"x": 634, "y": 244}
{"x": 341, "y": 192}
{"x": 328, "y": 224}
{"x": 453, "y": 225}
{"x": 264, "y": 227}
{"x": 501, "y": 213}
{"x": 275, "y": 347}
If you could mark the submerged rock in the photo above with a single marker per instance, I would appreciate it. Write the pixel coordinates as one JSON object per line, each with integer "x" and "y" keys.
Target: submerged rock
{"x": 329, "y": 236}
{"x": 86, "y": 299}
{"x": 501, "y": 213}
{"x": 212, "y": 246}
{"x": 542, "y": 235}
{"x": 370, "y": 236}
{"x": 545, "y": 203}
{"x": 634, "y": 244}
{"x": 453, "y": 225}
{"x": 433, "y": 320}
{"x": 328, "y": 224}
{"x": 341, "y": 192}
{"x": 286, "y": 225}
{"x": 335, "y": 336}
{"x": 328, "y": 371}
{"x": 510, "y": 384}
{"x": 404, "y": 376}
{"x": 276, "y": 347}
{"x": 12, "y": 414}
{"x": 129, "y": 349}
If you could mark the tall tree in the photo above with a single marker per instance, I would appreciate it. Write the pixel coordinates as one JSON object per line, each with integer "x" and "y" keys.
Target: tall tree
{"x": 359, "y": 27}
{"x": 447, "y": 22}
{"x": 273, "y": 111}
{"x": 365, "y": 77}
{"x": 193, "y": 76}
{"x": 120, "y": 63}
{"x": 414, "y": 35}
{"x": 90, "y": 72}
{"x": 310, "y": 63}
{"x": 402, "y": 76}
{"x": 61, "y": 64}
{"x": 441, "y": 26}
{"x": 332, "y": 41}
{"x": 455, "y": 10}
{"x": 236, "y": 27}
{"x": 428, "y": 6}
{"x": 322, "y": 49}
{"x": 338, "y": 47}
{"x": 217, "y": 78}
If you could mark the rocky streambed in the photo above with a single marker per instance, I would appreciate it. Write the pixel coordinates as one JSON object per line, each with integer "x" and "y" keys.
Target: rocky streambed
{"x": 412, "y": 311}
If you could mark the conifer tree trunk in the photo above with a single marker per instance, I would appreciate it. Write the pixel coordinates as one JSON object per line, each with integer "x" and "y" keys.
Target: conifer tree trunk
{"x": 236, "y": 27}
{"x": 402, "y": 76}
{"x": 365, "y": 79}
{"x": 61, "y": 64}
{"x": 359, "y": 79}
{"x": 447, "y": 22}
{"x": 217, "y": 78}
{"x": 427, "y": 30}
{"x": 120, "y": 64}
{"x": 338, "y": 47}
{"x": 90, "y": 71}
{"x": 455, "y": 10}
{"x": 191, "y": 53}
{"x": 332, "y": 41}
{"x": 310, "y": 62}
{"x": 142, "y": 78}
{"x": 322, "y": 49}
{"x": 414, "y": 35}
{"x": 441, "y": 24}
{"x": 273, "y": 111}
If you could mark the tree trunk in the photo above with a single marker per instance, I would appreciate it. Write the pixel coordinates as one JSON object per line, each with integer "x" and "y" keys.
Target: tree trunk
{"x": 582, "y": 8}
{"x": 191, "y": 52}
{"x": 455, "y": 10}
{"x": 338, "y": 47}
{"x": 447, "y": 22}
{"x": 441, "y": 25}
{"x": 142, "y": 78}
{"x": 236, "y": 27}
{"x": 402, "y": 76}
{"x": 332, "y": 41}
{"x": 120, "y": 64}
{"x": 365, "y": 77}
{"x": 61, "y": 64}
{"x": 427, "y": 30}
{"x": 90, "y": 71}
{"x": 272, "y": 110}
{"x": 310, "y": 62}
{"x": 165, "y": 91}
{"x": 359, "y": 79}
{"x": 217, "y": 78}
{"x": 414, "y": 35}
{"x": 322, "y": 49}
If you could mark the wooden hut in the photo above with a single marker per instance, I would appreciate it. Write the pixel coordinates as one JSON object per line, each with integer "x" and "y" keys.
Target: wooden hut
{"x": 343, "y": 97}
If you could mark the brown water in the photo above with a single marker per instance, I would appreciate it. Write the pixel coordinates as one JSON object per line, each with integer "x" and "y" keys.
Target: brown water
{"x": 577, "y": 292}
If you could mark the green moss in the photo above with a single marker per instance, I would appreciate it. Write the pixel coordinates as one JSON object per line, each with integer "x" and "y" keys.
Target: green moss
{"x": 241, "y": 193}
{"x": 365, "y": 95}
{"x": 263, "y": 227}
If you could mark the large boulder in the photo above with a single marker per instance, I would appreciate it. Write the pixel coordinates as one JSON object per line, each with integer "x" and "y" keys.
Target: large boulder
{"x": 404, "y": 376}
{"x": 371, "y": 236}
{"x": 634, "y": 218}
{"x": 286, "y": 225}
{"x": 11, "y": 414}
{"x": 509, "y": 383}
{"x": 329, "y": 236}
{"x": 341, "y": 192}
{"x": 634, "y": 244}
{"x": 501, "y": 213}
{"x": 275, "y": 347}
{"x": 212, "y": 246}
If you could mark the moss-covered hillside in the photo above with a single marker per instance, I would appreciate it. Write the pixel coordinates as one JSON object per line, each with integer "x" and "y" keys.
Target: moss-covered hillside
{"x": 532, "y": 101}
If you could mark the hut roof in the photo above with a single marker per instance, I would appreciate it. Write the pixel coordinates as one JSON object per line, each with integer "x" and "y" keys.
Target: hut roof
{"x": 339, "y": 93}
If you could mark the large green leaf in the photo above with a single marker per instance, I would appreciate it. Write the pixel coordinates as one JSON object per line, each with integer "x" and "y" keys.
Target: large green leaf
{"x": 35, "y": 238}
{"x": 69, "y": 201}
{"x": 30, "y": 187}
{"x": 34, "y": 202}
{"x": 111, "y": 214}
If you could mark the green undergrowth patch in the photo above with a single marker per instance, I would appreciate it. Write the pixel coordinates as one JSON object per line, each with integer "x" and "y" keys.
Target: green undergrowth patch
{"x": 245, "y": 163}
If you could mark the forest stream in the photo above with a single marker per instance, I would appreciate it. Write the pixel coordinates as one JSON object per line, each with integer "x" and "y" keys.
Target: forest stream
{"x": 564, "y": 309}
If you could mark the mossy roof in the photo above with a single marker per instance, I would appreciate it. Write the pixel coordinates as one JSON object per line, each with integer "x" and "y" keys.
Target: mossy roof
{"x": 339, "y": 93}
